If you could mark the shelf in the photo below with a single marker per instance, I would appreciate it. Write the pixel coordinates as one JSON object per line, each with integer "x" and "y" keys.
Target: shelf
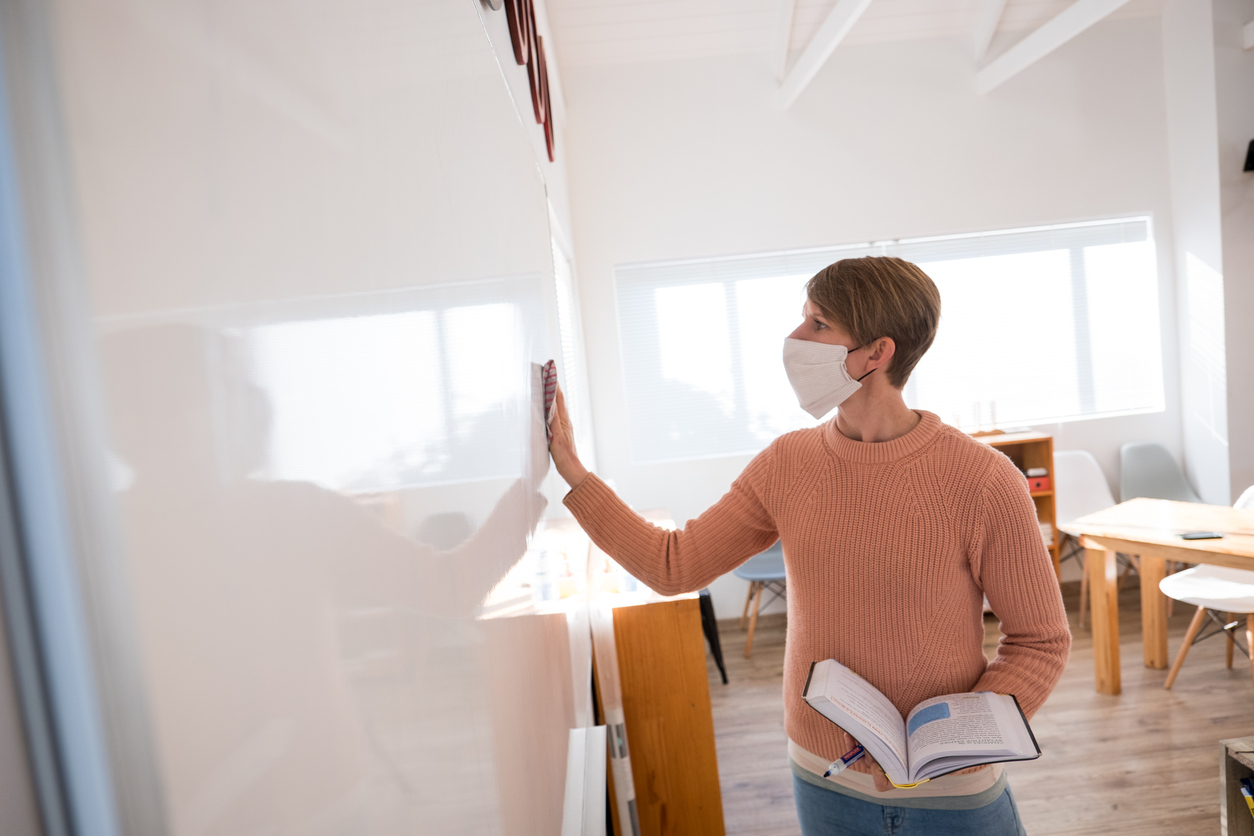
{"x": 1007, "y": 439}
{"x": 1028, "y": 450}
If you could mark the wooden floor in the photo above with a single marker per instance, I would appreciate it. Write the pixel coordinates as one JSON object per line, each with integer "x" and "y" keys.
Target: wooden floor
{"x": 1145, "y": 762}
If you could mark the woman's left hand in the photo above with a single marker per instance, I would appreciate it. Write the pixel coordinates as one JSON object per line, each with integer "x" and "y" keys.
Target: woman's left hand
{"x": 565, "y": 459}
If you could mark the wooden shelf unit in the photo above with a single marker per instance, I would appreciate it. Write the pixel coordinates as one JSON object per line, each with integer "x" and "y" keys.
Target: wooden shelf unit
{"x": 1236, "y": 762}
{"x": 1028, "y": 450}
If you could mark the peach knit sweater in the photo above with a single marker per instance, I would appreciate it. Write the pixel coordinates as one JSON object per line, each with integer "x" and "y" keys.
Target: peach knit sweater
{"x": 889, "y": 549}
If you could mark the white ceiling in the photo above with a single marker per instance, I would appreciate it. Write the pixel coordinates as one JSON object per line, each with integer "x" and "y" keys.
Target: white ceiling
{"x": 625, "y": 31}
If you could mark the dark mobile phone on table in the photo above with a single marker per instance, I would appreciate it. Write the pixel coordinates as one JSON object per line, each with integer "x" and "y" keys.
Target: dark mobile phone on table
{"x": 1201, "y": 535}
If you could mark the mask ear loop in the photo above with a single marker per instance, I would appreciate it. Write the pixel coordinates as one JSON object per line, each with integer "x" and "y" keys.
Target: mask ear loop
{"x": 863, "y": 376}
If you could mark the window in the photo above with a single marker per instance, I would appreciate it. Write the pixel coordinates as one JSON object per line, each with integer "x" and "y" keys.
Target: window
{"x": 1038, "y": 325}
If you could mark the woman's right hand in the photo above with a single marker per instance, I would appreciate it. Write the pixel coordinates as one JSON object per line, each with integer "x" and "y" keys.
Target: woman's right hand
{"x": 562, "y": 447}
{"x": 866, "y": 764}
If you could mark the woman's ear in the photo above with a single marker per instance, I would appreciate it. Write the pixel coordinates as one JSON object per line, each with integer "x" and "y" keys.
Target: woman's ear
{"x": 881, "y": 352}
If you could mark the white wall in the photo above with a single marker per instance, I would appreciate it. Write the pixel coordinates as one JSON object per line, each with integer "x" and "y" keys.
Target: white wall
{"x": 692, "y": 158}
{"x": 1234, "y": 90}
{"x": 1188, "y": 64}
{"x": 1209, "y": 79}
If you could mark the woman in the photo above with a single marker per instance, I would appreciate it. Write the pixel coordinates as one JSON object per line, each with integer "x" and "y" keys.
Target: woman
{"x": 894, "y": 528}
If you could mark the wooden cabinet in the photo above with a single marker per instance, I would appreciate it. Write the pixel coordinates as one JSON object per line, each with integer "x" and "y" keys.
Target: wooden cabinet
{"x": 670, "y": 726}
{"x": 1029, "y": 450}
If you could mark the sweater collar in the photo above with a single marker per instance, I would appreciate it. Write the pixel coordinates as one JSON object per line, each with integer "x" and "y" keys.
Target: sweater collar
{"x": 882, "y": 452}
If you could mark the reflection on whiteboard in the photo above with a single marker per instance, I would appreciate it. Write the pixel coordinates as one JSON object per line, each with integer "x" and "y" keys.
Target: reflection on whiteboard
{"x": 380, "y": 402}
{"x": 298, "y": 654}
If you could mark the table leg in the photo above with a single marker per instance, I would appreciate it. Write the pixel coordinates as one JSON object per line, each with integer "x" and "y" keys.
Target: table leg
{"x": 1104, "y": 600}
{"x": 1153, "y": 612}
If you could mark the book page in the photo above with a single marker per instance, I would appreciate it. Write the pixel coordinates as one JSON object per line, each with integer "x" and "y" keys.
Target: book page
{"x": 864, "y": 712}
{"x": 966, "y": 729}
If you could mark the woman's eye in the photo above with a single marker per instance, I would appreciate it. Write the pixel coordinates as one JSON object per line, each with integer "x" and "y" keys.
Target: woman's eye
{"x": 818, "y": 326}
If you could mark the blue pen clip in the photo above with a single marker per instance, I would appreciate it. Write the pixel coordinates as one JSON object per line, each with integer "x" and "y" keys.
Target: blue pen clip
{"x": 841, "y": 765}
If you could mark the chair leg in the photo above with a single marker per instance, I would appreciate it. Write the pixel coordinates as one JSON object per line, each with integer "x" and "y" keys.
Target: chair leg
{"x": 753, "y": 621}
{"x": 709, "y": 626}
{"x": 1084, "y": 596}
{"x": 1230, "y": 644}
{"x": 1249, "y": 637}
{"x": 1194, "y": 626}
{"x": 748, "y": 600}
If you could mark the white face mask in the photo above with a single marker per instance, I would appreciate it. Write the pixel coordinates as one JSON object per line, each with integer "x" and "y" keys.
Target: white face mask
{"x": 818, "y": 375}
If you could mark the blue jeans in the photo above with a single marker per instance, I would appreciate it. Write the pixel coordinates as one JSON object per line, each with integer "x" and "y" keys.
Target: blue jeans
{"x": 829, "y": 813}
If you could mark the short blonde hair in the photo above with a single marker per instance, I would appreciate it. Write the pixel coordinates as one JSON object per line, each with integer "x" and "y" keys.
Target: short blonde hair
{"x": 881, "y": 296}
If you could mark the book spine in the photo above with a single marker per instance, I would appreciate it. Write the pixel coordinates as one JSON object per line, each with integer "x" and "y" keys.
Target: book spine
{"x": 1031, "y": 734}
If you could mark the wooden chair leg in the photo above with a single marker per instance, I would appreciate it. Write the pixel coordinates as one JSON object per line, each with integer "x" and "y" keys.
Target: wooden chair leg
{"x": 753, "y": 621}
{"x": 1084, "y": 596}
{"x": 1230, "y": 644}
{"x": 748, "y": 600}
{"x": 1194, "y": 626}
{"x": 1249, "y": 637}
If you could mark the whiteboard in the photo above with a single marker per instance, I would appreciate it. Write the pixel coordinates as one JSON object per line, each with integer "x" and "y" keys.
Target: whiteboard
{"x": 316, "y": 243}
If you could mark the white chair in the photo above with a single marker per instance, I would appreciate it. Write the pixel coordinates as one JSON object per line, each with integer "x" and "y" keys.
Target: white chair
{"x": 1214, "y": 590}
{"x": 1147, "y": 469}
{"x": 1079, "y": 488}
{"x": 1245, "y": 501}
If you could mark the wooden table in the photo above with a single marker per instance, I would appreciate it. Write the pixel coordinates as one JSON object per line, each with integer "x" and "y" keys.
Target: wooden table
{"x": 1151, "y": 528}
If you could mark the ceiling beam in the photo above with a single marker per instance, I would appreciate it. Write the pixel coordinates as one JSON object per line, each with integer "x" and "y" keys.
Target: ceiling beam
{"x": 986, "y": 26}
{"x": 783, "y": 37}
{"x": 1070, "y": 22}
{"x": 839, "y": 21}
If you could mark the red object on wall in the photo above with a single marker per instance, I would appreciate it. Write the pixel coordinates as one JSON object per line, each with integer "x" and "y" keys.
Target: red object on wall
{"x": 548, "y": 100}
{"x": 516, "y": 14}
{"x": 1038, "y": 483}
{"x": 533, "y": 64}
{"x": 529, "y": 50}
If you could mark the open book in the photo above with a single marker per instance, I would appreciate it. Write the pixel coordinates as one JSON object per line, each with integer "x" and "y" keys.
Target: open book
{"x": 940, "y": 735}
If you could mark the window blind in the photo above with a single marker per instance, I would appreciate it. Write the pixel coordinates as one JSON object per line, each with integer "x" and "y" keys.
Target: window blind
{"x": 1040, "y": 325}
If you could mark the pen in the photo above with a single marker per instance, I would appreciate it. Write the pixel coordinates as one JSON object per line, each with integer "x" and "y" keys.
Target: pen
{"x": 839, "y": 766}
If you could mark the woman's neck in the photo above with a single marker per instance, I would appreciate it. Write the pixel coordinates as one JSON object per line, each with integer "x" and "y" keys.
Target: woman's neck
{"x": 874, "y": 416}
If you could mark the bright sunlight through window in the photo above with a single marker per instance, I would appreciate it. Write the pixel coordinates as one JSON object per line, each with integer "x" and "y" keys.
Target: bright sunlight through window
{"x": 1038, "y": 326}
